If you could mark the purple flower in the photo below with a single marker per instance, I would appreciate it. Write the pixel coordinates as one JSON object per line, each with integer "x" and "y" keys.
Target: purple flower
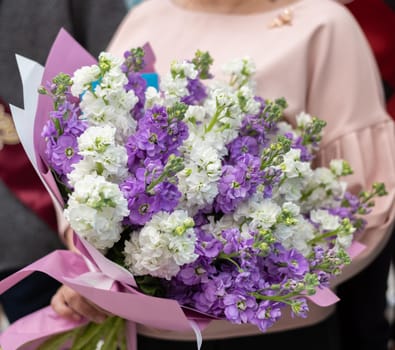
{"x": 239, "y": 308}
{"x": 177, "y": 132}
{"x": 151, "y": 141}
{"x": 213, "y": 292}
{"x": 143, "y": 208}
{"x": 157, "y": 115}
{"x": 253, "y": 126}
{"x": 207, "y": 245}
{"x": 134, "y": 60}
{"x": 232, "y": 187}
{"x": 253, "y": 174}
{"x": 267, "y": 314}
{"x": 247, "y": 279}
{"x": 286, "y": 263}
{"x": 271, "y": 177}
{"x": 200, "y": 217}
{"x": 137, "y": 83}
{"x": 197, "y": 92}
{"x": 197, "y": 272}
{"x": 49, "y": 131}
{"x": 63, "y": 154}
{"x": 168, "y": 195}
{"x": 135, "y": 155}
{"x": 131, "y": 188}
{"x": 323, "y": 278}
{"x": 242, "y": 145}
{"x": 299, "y": 307}
{"x": 152, "y": 169}
{"x": 305, "y": 154}
{"x": 232, "y": 237}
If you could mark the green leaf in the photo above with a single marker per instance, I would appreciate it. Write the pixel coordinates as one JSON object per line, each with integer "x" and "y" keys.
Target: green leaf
{"x": 150, "y": 285}
{"x": 90, "y": 335}
{"x": 122, "y": 340}
{"x": 57, "y": 341}
{"x": 111, "y": 338}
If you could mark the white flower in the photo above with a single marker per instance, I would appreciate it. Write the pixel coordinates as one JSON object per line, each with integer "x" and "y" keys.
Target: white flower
{"x": 290, "y": 190}
{"x": 197, "y": 187}
{"x": 81, "y": 169}
{"x": 296, "y": 236}
{"x": 183, "y": 69}
{"x": 100, "y": 109}
{"x": 99, "y": 150}
{"x": 174, "y": 85}
{"x": 344, "y": 241}
{"x": 196, "y": 113}
{"x": 285, "y": 128}
{"x": 262, "y": 213}
{"x": 293, "y": 167}
{"x": 152, "y": 97}
{"x": 82, "y": 79}
{"x": 113, "y": 60}
{"x": 324, "y": 176}
{"x": 303, "y": 119}
{"x": 96, "y": 139}
{"x": 176, "y": 88}
{"x": 223, "y": 107}
{"x": 327, "y": 181}
{"x": 95, "y": 211}
{"x": 327, "y": 221}
{"x": 215, "y": 227}
{"x": 251, "y": 105}
{"x": 109, "y": 103}
{"x": 336, "y": 165}
{"x": 162, "y": 246}
{"x": 206, "y": 159}
{"x": 218, "y": 141}
{"x": 292, "y": 208}
{"x": 240, "y": 69}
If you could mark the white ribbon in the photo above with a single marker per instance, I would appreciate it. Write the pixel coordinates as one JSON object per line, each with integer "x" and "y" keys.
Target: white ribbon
{"x": 198, "y": 334}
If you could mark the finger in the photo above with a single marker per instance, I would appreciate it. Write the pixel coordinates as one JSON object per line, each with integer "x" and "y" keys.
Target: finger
{"x": 83, "y": 307}
{"x": 60, "y": 306}
{"x": 69, "y": 239}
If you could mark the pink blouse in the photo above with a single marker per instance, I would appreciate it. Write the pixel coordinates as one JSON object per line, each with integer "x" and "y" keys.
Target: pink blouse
{"x": 321, "y": 64}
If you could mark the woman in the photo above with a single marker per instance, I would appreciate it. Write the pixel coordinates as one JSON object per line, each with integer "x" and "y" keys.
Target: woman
{"x": 313, "y": 53}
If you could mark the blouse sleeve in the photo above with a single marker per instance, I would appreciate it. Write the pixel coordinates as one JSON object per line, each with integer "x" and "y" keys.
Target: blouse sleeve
{"x": 345, "y": 90}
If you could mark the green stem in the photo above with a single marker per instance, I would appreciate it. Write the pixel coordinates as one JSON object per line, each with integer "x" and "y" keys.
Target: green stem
{"x": 111, "y": 340}
{"x": 308, "y": 193}
{"x": 214, "y": 120}
{"x": 57, "y": 341}
{"x": 323, "y": 236}
{"x": 157, "y": 181}
{"x": 228, "y": 257}
{"x": 279, "y": 298}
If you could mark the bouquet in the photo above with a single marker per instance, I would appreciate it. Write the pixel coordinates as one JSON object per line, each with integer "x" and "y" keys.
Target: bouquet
{"x": 198, "y": 190}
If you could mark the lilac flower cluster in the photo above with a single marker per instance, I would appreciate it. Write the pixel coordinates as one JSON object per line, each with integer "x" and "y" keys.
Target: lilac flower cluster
{"x": 151, "y": 188}
{"x": 244, "y": 169}
{"x": 233, "y": 279}
{"x": 134, "y": 62}
{"x": 62, "y": 129}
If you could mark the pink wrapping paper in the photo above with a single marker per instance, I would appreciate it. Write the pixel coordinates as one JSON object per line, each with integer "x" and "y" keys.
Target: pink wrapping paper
{"x": 74, "y": 271}
{"x": 83, "y": 275}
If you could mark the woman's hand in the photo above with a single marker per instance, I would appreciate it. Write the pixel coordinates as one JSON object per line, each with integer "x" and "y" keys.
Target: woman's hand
{"x": 69, "y": 304}
{"x": 69, "y": 240}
